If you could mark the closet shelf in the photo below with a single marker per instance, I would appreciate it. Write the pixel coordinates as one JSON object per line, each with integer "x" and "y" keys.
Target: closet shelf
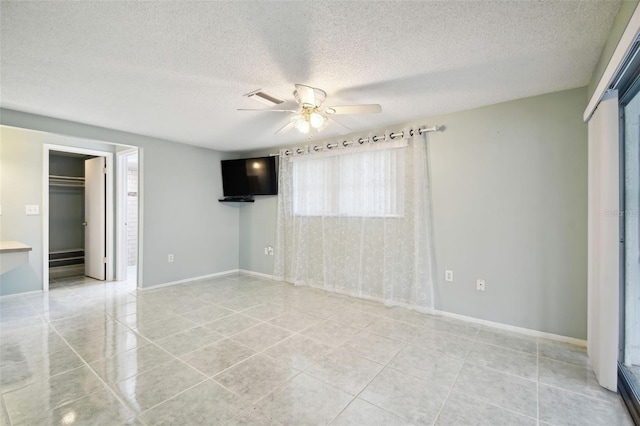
{"x": 65, "y": 250}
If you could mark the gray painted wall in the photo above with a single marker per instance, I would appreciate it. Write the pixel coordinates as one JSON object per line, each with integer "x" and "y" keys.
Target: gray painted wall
{"x": 257, "y": 231}
{"x": 619, "y": 25}
{"x": 509, "y": 192}
{"x": 180, "y": 190}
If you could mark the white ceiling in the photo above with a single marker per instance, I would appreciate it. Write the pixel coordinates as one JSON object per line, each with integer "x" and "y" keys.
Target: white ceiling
{"x": 178, "y": 70}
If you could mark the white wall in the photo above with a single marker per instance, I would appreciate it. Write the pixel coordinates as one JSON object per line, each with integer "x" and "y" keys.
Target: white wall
{"x": 181, "y": 186}
{"x": 509, "y": 192}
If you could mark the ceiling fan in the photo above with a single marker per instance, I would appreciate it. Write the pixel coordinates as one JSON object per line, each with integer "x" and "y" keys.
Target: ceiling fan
{"x": 308, "y": 110}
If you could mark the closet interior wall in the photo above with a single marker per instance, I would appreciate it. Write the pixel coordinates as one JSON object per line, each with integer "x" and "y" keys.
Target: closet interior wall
{"x": 66, "y": 214}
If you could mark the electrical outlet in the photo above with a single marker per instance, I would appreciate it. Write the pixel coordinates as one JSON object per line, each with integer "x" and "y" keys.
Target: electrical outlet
{"x": 266, "y": 251}
{"x": 32, "y": 210}
{"x": 170, "y": 258}
{"x": 480, "y": 285}
{"x": 270, "y": 251}
{"x": 448, "y": 275}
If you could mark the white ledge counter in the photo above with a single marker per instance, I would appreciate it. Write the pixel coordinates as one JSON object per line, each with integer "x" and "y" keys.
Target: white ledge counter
{"x": 12, "y": 255}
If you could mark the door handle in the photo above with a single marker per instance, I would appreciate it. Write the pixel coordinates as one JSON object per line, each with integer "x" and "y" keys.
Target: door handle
{"x": 84, "y": 223}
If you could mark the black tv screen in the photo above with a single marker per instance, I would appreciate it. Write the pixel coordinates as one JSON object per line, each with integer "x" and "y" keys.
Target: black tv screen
{"x": 249, "y": 176}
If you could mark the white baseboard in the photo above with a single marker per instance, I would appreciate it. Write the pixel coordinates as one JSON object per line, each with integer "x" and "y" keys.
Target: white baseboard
{"x": 188, "y": 280}
{"x": 498, "y": 325}
{"x": 521, "y": 330}
{"x": 257, "y": 274}
{"x": 25, "y": 293}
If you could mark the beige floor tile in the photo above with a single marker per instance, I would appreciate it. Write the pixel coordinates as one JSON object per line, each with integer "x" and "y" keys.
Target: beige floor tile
{"x": 204, "y": 404}
{"x": 218, "y": 356}
{"x": 255, "y": 377}
{"x": 261, "y": 336}
{"x": 304, "y": 401}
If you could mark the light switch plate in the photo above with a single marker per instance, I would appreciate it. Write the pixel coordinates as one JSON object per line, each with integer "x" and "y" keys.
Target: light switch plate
{"x": 32, "y": 209}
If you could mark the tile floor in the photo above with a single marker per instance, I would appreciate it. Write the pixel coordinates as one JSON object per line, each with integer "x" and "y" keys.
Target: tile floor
{"x": 241, "y": 350}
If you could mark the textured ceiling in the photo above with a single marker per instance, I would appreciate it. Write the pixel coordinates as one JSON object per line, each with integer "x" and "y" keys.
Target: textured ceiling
{"x": 178, "y": 70}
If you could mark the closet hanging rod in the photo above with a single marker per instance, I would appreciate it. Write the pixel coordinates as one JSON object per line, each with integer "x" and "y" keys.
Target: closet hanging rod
{"x": 367, "y": 139}
{"x": 78, "y": 178}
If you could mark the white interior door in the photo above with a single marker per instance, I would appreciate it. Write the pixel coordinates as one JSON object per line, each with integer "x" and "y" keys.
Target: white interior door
{"x": 95, "y": 218}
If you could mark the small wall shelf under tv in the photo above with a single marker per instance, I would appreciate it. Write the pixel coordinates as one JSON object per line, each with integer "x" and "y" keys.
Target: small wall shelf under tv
{"x": 236, "y": 200}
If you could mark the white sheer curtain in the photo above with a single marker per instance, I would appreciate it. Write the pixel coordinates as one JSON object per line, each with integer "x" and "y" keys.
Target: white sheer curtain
{"x": 357, "y": 221}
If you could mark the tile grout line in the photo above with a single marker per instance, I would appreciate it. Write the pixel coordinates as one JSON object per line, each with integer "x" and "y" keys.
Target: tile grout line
{"x": 384, "y": 366}
{"x": 302, "y": 371}
{"x": 294, "y": 333}
{"x": 327, "y": 318}
{"x": 108, "y": 385}
{"x": 104, "y": 383}
{"x": 5, "y": 410}
{"x": 493, "y": 404}
{"x": 170, "y": 398}
{"x": 207, "y": 376}
{"x": 453, "y": 384}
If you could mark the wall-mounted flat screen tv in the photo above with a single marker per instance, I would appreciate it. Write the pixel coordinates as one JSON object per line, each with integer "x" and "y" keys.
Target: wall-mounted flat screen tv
{"x": 249, "y": 176}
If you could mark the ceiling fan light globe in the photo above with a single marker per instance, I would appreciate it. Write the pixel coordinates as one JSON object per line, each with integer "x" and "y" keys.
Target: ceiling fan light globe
{"x": 323, "y": 125}
{"x": 302, "y": 126}
{"x": 316, "y": 120}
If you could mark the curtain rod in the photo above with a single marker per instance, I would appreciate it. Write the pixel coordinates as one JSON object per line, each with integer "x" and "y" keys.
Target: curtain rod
{"x": 346, "y": 143}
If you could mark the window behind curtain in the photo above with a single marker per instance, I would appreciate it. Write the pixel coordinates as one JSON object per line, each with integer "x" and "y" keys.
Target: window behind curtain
{"x": 362, "y": 184}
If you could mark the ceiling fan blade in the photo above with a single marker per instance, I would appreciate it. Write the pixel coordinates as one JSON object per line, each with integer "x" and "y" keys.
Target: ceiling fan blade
{"x": 287, "y": 105}
{"x": 266, "y": 110}
{"x": 337, "y": 122}
{"x": 354, "y": 109}
{"x": 306, "y": 94}
{"x": 285, "y": 127}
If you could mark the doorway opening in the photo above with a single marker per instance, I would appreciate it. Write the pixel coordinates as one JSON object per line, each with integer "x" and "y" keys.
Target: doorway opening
{"x": 128, "y": 184}
{"x": 77, "y": 216}
{"x": 67, "y": 221}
